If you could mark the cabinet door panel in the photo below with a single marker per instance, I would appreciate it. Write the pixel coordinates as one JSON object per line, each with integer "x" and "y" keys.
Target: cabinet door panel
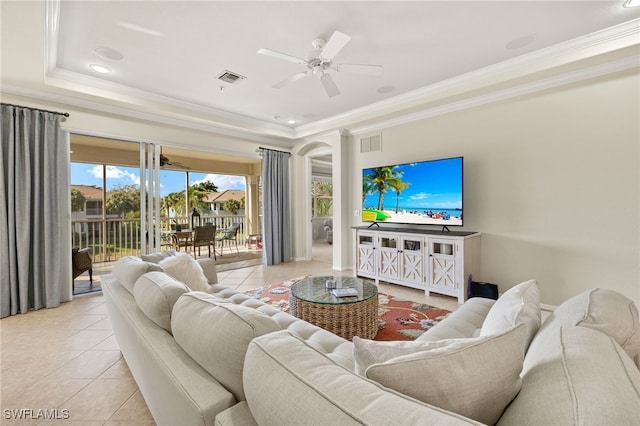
{"x": 388, "y": 263}
{"x": 366, "y": 260}
{"x": 413, "y": 267}
{"x": 442, "y": 273}
{"x": 412, "y": 260}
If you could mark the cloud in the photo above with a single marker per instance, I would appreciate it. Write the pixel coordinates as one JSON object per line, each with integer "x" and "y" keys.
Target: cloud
{"x": 114, "y": 172}
{"x": 224, "y": 181}
{"x": 420, "y": 196}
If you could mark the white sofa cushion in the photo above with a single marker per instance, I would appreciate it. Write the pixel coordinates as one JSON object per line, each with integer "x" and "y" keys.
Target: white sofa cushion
{"x": 289, "y": 382}
{"x": 518, "y": 305}
{"x": 216, "y": 333}
{"x": 128, "y": 269}
{"x": 604, "y": 310}
{"x": 475, "y": 377}
{"x": 579, "y": 376}
{"x": 155, "y": 294}
{"x": 184, "y": 268}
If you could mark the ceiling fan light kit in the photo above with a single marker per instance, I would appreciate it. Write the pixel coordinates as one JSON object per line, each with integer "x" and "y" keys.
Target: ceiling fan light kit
{"x": 319, "y": 62}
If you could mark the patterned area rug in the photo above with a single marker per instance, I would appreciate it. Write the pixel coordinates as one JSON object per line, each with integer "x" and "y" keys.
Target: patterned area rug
{"x": 398, "y": 319}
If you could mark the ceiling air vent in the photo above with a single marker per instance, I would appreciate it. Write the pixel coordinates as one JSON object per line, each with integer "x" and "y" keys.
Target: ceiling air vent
{"x": 230, "y": 77}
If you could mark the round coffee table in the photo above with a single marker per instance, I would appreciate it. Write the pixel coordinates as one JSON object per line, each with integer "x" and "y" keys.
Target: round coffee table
{"x": 311, "y": 301}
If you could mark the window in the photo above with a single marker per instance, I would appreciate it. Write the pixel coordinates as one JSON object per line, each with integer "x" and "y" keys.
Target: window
{"x": 321, "y": 197}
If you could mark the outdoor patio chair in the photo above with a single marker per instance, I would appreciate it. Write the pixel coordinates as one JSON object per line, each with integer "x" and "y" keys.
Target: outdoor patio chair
{"x": 181, "y": 239}
{"x": 229, "y": 234}
{"x": 204, "y": 236}
{"x": 81, "y": 262}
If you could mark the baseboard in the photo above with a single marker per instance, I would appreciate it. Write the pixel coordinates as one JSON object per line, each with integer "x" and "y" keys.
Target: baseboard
{"x": 341, "y": 268}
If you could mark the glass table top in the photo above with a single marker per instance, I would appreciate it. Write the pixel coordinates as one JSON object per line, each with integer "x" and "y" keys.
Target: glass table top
{"x": 314, "y": 290}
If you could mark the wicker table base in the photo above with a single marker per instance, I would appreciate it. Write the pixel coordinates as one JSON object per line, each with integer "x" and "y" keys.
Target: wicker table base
{"x": 359, "y": 318}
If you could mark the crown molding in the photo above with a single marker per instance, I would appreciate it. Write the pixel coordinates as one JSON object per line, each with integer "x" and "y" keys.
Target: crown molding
{"x": 607, "y": 40}
{"x": 624, "y": 64}
{"x": 178, "y": 112}
{"x": 216, "y": 120}
{"x": 64, "y": 100}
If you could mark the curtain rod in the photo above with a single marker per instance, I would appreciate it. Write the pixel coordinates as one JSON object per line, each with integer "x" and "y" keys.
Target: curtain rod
{"x": 275, "y": 150}
{"x": 64, "y": 114}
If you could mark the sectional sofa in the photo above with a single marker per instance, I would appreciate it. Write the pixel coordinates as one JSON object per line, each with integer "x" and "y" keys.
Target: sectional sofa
{"x": 202, "y": 353}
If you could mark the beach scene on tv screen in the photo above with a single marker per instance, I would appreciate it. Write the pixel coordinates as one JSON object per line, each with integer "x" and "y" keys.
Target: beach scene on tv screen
{"x": 426, "y": 193}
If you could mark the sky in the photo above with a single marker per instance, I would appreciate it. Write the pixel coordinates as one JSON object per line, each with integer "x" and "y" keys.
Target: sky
{"x": 433, "y": 185}
{"x": 170, "y": 181}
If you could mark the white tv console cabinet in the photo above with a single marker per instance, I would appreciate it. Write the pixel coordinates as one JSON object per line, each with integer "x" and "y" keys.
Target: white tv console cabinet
{"x": 438, "y": 262}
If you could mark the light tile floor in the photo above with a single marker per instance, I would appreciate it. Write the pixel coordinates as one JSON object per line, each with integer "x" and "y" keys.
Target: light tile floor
{"x": 66, "y": 360}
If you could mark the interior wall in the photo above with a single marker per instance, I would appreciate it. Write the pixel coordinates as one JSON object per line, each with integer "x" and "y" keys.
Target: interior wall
{"x": 551, "y": 181}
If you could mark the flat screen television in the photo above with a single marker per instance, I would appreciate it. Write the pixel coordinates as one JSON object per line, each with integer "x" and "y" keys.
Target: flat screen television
{"x": 419, "y": 193}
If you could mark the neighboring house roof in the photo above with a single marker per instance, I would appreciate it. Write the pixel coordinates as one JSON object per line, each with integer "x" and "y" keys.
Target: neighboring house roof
{"x": 221, "y": 197}
{"x": 89, "y": 192}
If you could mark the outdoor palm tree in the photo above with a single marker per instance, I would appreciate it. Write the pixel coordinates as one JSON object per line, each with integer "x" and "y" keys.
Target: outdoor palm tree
{"x": 172, "y": 200}
{"x": 196, "y": 197}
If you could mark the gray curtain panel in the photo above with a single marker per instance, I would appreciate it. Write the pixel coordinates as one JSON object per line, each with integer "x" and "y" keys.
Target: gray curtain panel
{"x": 276, "y": 215}
{"x": 35, "y": 227}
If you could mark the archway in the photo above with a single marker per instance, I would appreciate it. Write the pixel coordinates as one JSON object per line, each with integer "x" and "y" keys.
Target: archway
{"x": 332, "y": 146}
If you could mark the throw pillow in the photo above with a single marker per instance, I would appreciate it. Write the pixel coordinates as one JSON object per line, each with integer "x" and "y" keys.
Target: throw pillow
{"x": 475, "y": 377}
{"x": 579, "y": 376}
{"x": 184, "y": 268}
{"x": 157, "y": 257}
{"x": 518, "y": 305}
{"x": 155, "y": 294}
{"x": 606, "y": 311}
{"x": 128, "y": 269}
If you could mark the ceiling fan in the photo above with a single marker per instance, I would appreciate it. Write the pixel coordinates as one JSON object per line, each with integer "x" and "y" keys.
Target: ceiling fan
{"x": 165, "y": 161}
{"x": 319, "y": 62}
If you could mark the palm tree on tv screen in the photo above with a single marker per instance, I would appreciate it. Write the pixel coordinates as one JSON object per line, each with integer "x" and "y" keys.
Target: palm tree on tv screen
{"x": 398, "y": 185}
{"x": 384, "y": 178}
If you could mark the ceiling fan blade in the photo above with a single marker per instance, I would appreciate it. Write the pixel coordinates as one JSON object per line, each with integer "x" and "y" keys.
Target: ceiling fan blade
{"x": 274, "y": 54}
{"x": 291, "y": 79}
{"x": 329, "y": 86}
{"x": 175, "y": 165}
{"x": 363, "y": 69}
{"x": 335, "y": 44}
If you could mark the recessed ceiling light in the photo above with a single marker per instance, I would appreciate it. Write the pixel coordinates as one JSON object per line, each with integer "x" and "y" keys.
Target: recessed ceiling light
{"x": 291, "y": 121}
{"x": 632, "y": 3}
{"x": 385, "y": 89}
{"x": 100, "y": 68}
{"x": 108, "y": 53}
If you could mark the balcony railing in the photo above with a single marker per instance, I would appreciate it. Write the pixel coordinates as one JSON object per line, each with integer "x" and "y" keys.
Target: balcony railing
{"x": 111, "y": 239}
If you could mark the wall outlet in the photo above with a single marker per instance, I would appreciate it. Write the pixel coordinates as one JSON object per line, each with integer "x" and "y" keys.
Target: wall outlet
{"x": 356, "y": 213}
